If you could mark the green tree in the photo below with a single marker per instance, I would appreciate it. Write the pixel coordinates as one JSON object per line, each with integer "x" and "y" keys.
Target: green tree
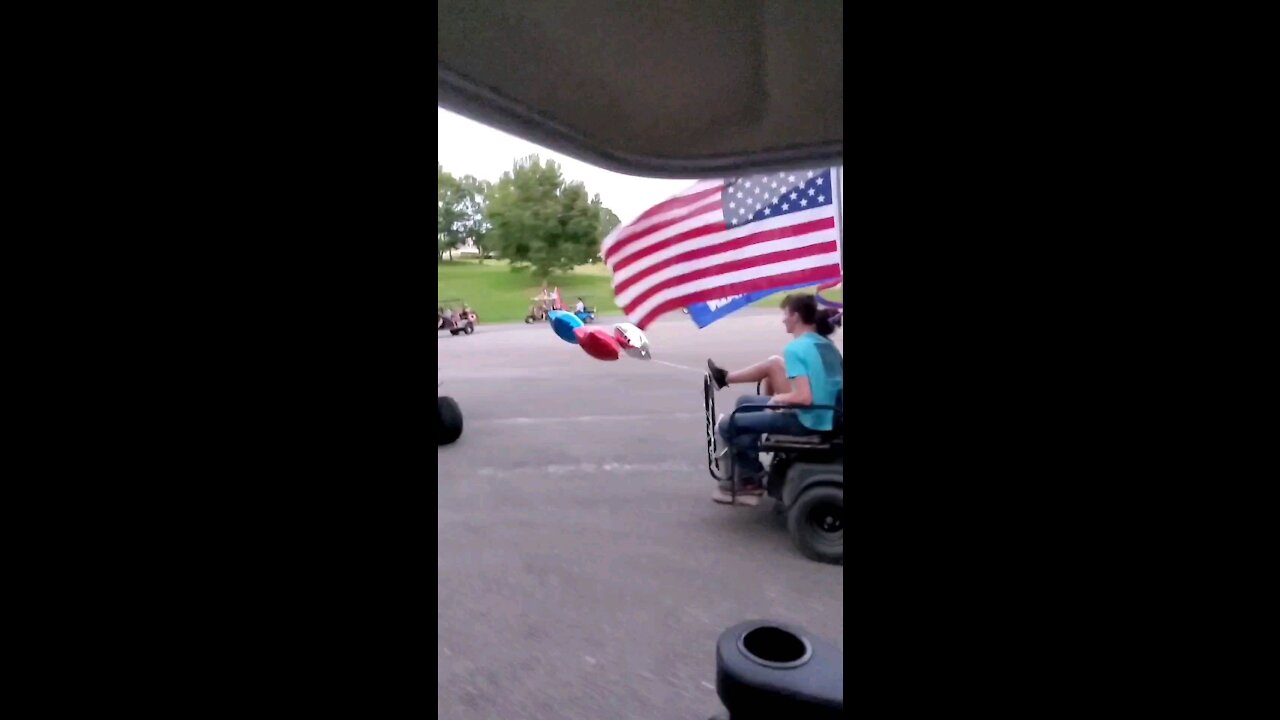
{"x": 450, "y": 213}
{"x": 539, "y": 220}
{"x": 474, "y": 225}
{"x": 608, "y": 221}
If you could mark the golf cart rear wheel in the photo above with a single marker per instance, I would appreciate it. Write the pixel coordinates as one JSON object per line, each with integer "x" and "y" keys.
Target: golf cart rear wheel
{"x": 448, "y": 421}
{"x": 528, "y": 319}
{"x": 816, "y": 522}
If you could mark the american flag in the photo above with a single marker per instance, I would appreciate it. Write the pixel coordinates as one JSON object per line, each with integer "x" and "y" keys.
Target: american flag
{"x": 727, "y": 237}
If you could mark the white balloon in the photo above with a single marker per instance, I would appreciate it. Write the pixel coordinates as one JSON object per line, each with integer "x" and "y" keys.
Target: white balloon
{"x": 633, "y": 340}
{"x": 640, "y": 353}
{"x": 629, "y": 335}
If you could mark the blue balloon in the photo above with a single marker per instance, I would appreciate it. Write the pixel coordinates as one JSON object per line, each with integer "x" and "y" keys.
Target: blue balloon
{"x": 563, "y": 324}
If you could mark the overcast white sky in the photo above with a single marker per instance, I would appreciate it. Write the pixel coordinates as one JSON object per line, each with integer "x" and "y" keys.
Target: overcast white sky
{"x": 465, "y": 147}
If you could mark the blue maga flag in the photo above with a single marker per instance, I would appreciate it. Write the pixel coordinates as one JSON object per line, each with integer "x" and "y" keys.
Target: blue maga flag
{"x": 708, "y": 312}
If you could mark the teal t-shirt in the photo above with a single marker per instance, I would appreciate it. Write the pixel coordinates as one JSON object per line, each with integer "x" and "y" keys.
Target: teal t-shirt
{"x": 818, "y": 359}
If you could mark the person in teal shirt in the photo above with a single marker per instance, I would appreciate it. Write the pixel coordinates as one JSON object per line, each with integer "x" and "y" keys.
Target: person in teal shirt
{"x": 810, "y": 372}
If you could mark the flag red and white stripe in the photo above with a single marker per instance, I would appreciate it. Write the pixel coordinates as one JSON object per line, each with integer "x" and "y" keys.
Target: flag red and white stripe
{"x": 726, "y": 237}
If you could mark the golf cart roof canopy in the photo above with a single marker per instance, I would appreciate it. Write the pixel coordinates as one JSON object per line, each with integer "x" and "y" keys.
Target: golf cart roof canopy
{"x": 661, "y": 88}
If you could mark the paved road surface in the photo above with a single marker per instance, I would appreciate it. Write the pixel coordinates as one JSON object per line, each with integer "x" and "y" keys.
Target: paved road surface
{"x": 583, "y": 571}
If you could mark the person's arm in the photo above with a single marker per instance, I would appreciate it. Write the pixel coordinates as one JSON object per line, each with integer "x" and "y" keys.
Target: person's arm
{"x": 798, "y": 373}
{"x": 801, "y": 393}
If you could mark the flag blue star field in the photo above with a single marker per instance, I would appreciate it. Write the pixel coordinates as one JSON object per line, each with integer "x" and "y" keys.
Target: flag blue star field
{"x": 721, "y": 244}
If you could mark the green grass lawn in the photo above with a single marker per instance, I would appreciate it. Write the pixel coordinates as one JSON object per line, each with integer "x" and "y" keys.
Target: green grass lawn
{"x": 498, "y": 294}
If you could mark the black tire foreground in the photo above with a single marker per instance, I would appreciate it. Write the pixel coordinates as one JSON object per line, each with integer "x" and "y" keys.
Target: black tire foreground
{"x": 448, "y": 421}
{"x": 816, "y": 522}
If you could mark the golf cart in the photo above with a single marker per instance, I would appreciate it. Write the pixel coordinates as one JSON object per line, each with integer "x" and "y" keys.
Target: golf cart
{"x": 448, "y": 419}
{"x": 537, "y": 313}
{"x": 806, "y": 475}
{"x": 463, "y": 321}
{"x": 588, "y": 314}
{"x": 543, "y": 304}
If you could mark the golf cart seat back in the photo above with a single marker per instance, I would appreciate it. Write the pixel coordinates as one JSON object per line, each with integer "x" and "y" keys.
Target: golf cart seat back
{"x": 831, "y": 439}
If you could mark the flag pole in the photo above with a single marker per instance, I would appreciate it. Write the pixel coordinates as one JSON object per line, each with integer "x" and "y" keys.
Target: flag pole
{"x": 838, "y": 174}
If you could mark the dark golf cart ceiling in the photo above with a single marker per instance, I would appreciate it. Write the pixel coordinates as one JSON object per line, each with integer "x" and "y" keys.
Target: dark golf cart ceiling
{"x": 652, "y": 87}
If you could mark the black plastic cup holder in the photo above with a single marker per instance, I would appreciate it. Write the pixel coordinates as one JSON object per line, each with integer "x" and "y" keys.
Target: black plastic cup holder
{"x": 774, "y": 647}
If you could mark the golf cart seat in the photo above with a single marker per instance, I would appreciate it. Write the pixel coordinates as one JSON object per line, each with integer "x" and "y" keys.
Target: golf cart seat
{"x": 822, "y": 441}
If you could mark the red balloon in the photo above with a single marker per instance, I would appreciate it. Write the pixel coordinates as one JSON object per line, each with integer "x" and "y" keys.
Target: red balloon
{"x": 598, "y": 343}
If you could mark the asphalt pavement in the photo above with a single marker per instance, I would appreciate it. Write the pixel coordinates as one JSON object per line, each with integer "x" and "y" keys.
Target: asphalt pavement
{"x": 583, "y": 570}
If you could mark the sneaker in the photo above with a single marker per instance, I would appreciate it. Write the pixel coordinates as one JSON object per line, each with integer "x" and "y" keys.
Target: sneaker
{"x": 749, "y": 493}
{"x": 748, "y": 487}
{"x": 742, "y": 498}
{"x": 718, "y": 374}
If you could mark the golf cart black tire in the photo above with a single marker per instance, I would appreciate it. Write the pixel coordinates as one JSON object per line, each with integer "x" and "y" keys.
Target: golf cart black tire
{"x": 528, "y": 319}
{"x": 454, "y": 331}
{"x": 810, "y": 539}
{"x": 470, "y": 328}
{"x": 449, "y": 421}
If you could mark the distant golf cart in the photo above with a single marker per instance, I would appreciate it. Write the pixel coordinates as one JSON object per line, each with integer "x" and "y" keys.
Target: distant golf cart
{"x": 587, "y": 315}
{"x": 537, "y": 313}
{"x": 542, "y": 306}
{"x": 461, "y": 321}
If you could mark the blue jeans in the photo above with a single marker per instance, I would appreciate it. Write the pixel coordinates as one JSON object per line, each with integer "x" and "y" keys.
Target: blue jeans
{"x": 749, "y": 425}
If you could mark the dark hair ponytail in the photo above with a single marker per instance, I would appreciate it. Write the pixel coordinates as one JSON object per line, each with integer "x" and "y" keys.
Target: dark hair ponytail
{"x": 824, "y": 326}
{"x": 807, "y": 308}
